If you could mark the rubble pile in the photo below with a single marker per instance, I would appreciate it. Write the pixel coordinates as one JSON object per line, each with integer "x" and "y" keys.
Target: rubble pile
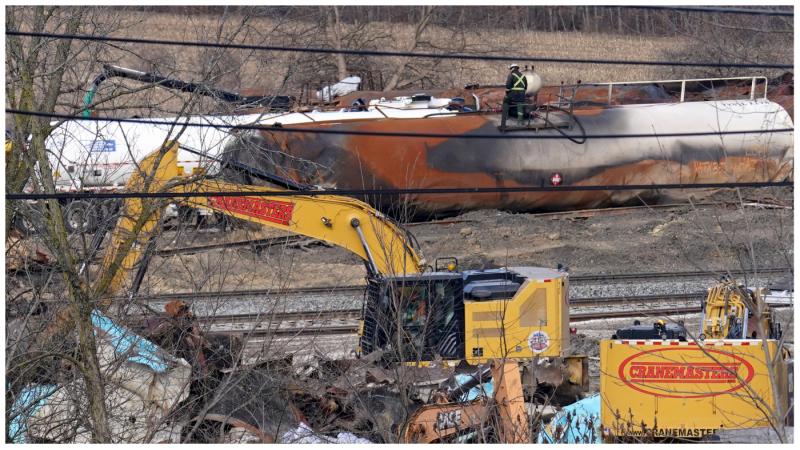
{"x": 168, "y": 382}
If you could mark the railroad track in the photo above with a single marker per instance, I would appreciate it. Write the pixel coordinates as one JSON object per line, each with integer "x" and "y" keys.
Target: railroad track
{"x": 650, "y": 276}
{"x": 359, "y": 289}
{"x": 579, "y": 317}
{"x": 626, "y": 300}
{"x": 284, "y": 323}
{"x": 343, "y": 290}
{"x": 254, "y": 244}
{"x": 348, "y": 324}
{"x": 346, "y": 321}
{"x": 256, "y": 304}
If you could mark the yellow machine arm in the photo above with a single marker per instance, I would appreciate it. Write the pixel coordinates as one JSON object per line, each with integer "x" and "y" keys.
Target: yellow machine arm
{"x": 342, "y": 221}
{"x": 441, "y": 422}
{"x": 725, "y": 313}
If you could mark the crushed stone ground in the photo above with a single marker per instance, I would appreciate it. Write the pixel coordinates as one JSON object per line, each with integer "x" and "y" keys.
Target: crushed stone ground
{"x": 702, "y": 237}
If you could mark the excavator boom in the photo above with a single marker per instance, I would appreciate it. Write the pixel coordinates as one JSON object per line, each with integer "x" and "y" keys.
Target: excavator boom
{"x": 731, "y": 311}
{"x": 342, "y": 221}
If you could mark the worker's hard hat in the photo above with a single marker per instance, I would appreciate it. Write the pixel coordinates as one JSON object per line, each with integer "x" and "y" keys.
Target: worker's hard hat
{"x": 511, "y": 66}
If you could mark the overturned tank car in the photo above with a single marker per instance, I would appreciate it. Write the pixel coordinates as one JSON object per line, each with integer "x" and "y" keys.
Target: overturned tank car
{"x": 557, "y": 144}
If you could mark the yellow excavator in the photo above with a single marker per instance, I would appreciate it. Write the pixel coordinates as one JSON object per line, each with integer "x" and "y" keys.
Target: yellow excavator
{"x": 413, "y": 313}
{"x": 731, "y": 311}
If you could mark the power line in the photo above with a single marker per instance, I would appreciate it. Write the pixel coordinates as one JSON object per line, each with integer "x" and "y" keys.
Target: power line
{"x": 745, "y": 11}
{"x": 538, "y": 59}
{"x": 379, "y": 192}
{"x": 282, "y": 129}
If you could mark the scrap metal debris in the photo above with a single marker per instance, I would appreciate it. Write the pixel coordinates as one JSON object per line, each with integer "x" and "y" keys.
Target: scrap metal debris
{"x": 25, "y": 253}
{"x": 305, "y": 435}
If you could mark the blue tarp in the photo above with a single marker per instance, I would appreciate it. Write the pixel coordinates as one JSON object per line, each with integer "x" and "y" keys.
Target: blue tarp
{"x": 29, "y": 401}
{"x": 481, "y": 390}
{"x": 125, "y": 343}
{"x": 579, "y": 421}
{"x": 138, "y": 349}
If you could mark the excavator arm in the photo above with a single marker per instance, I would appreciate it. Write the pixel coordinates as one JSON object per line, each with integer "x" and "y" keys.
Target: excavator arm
{"x": 441, "y": 422}
{"x": 341, "y": 221}
{"x": 727, "y": 311}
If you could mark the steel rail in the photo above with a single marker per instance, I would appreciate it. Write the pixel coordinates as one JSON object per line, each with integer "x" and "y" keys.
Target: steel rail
{"x": 655, "y": 298}
{"x": 359, "y": 289}
{"x": 274, "y": 328}
{"x": 688, "y": 274}
{"x": 579, "y": 317}
{"x": 324, "y": 322}
{"x": 297, "y": 331}
{"x": 321, "y": 315}
{"x": 256, "y": 243}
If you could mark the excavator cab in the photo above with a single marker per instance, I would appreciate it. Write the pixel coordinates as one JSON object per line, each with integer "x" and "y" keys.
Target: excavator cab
{"x": 415, "y": 317}
{"x": 473, "y": 315}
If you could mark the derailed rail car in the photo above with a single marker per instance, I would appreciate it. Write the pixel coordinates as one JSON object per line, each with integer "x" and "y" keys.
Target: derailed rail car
{"x": 565, "y": 154}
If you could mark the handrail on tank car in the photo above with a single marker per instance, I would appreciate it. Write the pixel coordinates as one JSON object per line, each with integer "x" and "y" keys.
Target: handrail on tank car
{"x": 380, "y": 110}
{"x": 279, "y": 115}
{"x": 683, "y": 84}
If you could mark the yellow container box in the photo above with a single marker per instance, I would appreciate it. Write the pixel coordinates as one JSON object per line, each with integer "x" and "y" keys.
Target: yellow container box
{"x": 673, "y": 389}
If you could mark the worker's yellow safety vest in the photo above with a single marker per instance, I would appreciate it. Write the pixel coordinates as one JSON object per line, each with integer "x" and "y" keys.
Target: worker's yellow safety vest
{"x": 519, "y": 85}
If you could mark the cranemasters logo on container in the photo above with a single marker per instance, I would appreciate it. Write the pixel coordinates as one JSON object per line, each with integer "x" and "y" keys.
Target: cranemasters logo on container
{"x": 685, "y": 372}
{"x": 270, "y": 210}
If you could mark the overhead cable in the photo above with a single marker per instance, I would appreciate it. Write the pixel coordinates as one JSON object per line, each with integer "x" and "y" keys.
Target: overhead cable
{"x": 710, "y": 9}
{"x": 531, "y": 58}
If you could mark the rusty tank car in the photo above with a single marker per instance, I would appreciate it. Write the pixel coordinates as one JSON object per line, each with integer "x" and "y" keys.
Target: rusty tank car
{"x": 345, "y": 161}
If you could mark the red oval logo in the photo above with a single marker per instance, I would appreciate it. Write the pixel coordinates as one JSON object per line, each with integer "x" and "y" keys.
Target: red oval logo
{"x": 705, "y": 373}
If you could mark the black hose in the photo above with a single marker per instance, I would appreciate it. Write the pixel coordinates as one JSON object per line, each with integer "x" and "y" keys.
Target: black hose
{"x": 582, "y": 140}
{"x": 252, "y": 171}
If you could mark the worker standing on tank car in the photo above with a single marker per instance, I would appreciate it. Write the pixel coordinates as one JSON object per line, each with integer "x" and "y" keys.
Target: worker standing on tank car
{"x": 516, "y": 84}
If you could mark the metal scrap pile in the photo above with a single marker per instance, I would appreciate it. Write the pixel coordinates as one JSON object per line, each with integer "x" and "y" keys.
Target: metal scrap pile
{"x": 171, "y": 383}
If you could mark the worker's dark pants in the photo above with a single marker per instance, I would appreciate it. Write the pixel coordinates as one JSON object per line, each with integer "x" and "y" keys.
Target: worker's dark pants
{"x": 516, "y": 104}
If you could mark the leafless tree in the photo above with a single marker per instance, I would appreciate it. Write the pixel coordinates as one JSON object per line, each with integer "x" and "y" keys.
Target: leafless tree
{"x": 51, "y": 339}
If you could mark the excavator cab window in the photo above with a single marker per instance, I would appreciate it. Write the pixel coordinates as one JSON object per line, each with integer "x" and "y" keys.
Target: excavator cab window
{"x": 415, "y": 318}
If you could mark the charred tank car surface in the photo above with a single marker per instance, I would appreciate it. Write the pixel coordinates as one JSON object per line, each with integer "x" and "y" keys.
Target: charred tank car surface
{"x": 480, "y": 154}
